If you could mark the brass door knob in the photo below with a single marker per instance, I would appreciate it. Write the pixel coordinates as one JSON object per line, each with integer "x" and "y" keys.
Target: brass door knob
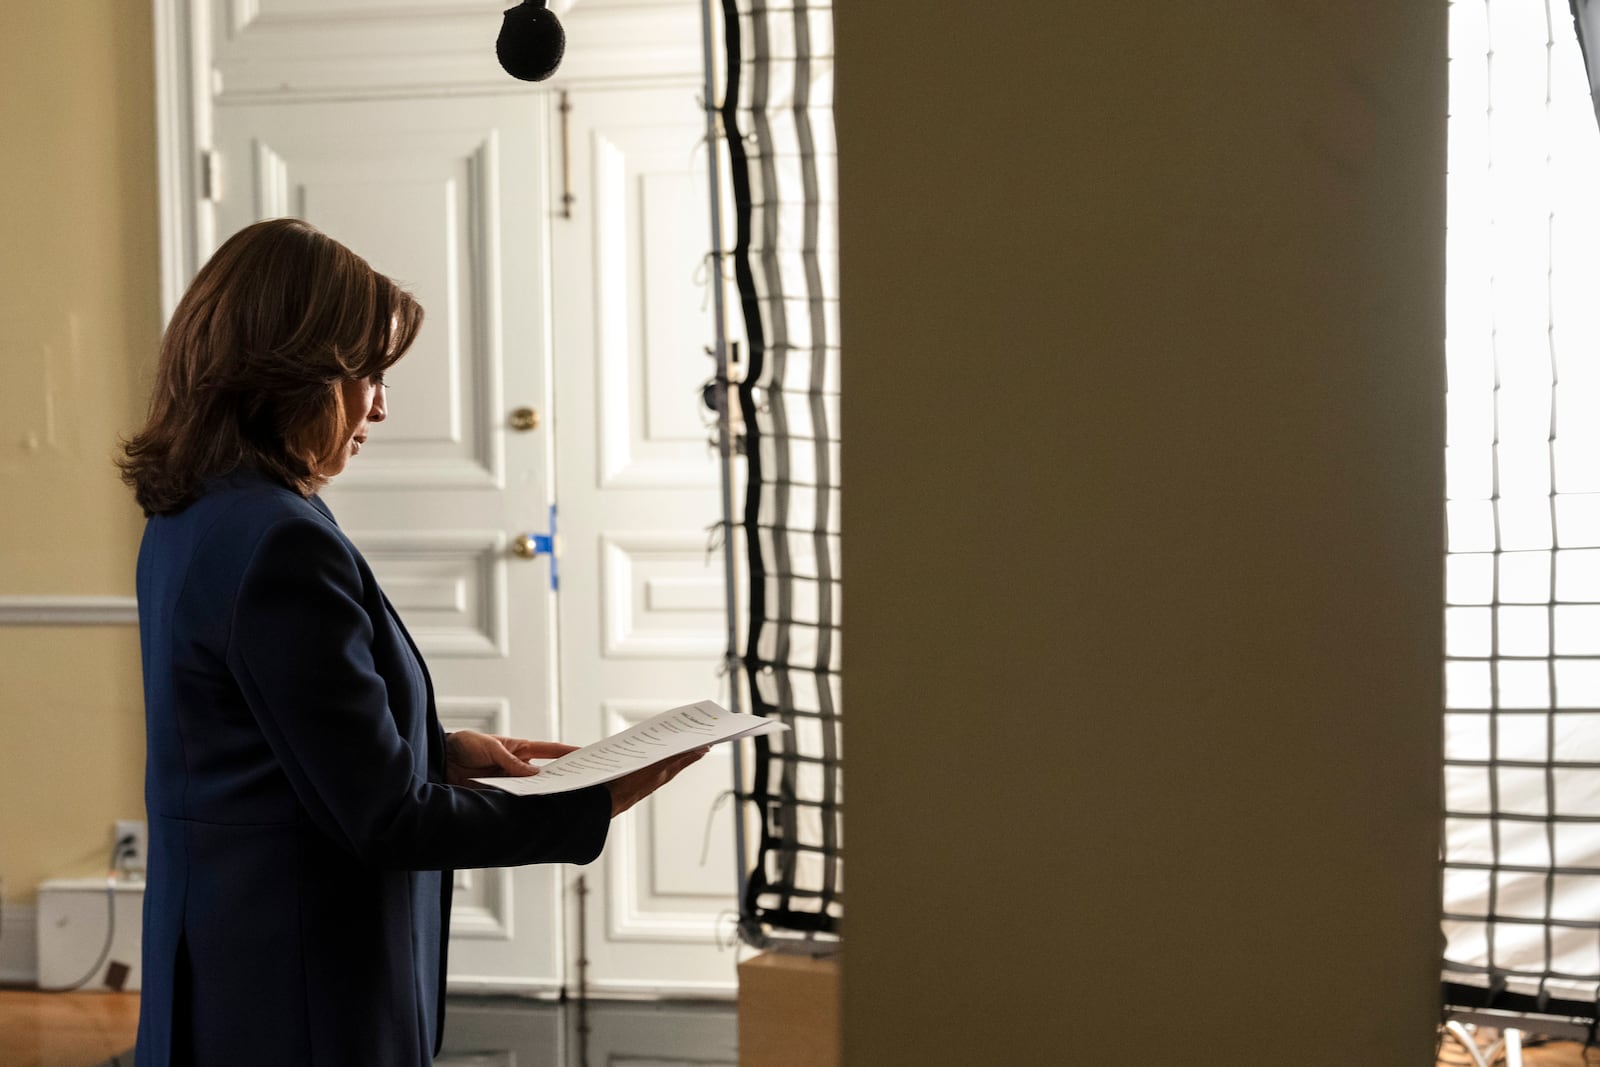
{"x": 525, "y": 547}
{"x": 524, "y": 419}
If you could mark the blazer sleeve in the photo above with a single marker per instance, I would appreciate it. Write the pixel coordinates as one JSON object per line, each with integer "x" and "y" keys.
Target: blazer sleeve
{"x": 300, "y": 648}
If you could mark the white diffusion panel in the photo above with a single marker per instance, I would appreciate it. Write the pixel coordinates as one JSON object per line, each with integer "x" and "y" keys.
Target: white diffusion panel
{"x": 643, "y": 616}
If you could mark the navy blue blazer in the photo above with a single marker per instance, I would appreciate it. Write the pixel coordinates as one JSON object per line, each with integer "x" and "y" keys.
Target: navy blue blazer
{"x": 301, "y": 836}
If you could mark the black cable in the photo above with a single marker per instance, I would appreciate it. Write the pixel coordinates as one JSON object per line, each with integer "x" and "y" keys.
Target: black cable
{"x": 755, "y": 338}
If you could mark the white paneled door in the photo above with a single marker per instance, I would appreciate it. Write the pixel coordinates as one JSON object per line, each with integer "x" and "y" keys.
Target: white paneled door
{"x": 447, "y": 196}
{"x": 595, "y": 319}
{"x": 642, "y": 610}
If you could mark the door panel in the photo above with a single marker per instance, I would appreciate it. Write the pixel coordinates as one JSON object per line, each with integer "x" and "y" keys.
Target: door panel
{"x": 642, "y": 608}
{"x": 426, "y": 203}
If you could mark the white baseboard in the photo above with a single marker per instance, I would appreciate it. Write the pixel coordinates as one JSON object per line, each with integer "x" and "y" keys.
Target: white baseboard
{"x": 19, "y": 945}
{"x": 19, "y": 965}
{"x": 478, "y": 985}
{"x": 614, "y": 989}
{"x": 472, "y": 985}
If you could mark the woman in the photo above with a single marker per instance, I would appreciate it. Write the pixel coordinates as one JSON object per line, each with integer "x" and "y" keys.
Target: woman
{"x": 305, "y": 808}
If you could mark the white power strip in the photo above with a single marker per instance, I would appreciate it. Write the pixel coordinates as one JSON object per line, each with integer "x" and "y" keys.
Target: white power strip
{"x": 71, "y": 931}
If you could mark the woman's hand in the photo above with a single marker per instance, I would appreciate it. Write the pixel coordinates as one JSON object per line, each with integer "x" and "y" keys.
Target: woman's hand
{"x": 469, "y": 754}
{"x": 632, "y": 788}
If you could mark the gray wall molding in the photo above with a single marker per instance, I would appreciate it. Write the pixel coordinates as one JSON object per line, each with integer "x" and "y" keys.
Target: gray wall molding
{"x": 68, "y": 611}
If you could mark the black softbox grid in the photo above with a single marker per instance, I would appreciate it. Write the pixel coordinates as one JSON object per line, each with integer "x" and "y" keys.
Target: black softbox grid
{"x": 777, "y": 122}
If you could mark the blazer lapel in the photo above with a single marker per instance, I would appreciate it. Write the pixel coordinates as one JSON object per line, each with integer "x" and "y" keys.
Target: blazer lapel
{"x": 435, "y": 730}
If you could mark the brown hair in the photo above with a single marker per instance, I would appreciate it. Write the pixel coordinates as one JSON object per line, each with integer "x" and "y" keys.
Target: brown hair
{"x": 253, "y": 362}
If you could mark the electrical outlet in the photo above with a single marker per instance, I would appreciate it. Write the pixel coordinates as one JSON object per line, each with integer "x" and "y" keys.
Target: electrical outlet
{"x": 129, "y": 858}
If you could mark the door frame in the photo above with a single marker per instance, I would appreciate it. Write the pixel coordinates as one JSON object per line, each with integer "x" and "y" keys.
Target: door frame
{"x": 186, "y": 222}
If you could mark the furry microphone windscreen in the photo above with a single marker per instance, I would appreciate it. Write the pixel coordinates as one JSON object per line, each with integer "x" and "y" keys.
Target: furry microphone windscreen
{"x": 531, "y": 41}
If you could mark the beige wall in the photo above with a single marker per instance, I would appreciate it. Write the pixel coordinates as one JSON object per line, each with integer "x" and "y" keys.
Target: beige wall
{"x": 1143, "y": 315}
{"x": 79, "y": 321}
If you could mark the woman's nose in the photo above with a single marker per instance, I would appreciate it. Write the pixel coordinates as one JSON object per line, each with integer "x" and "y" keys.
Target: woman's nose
{"x": 380, "y": 406}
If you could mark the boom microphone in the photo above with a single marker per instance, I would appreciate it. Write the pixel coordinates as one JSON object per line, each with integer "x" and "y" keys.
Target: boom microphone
{"x": 531, "y": 41}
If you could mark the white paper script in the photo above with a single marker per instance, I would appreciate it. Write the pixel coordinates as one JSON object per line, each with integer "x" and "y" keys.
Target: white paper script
{"x": 651, "y": 741}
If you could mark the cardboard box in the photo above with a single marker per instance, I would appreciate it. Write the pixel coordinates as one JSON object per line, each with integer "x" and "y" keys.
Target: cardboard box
{"x": 789, "y": 1011}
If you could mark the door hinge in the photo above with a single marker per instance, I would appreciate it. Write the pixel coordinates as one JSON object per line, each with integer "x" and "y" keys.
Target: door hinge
{"x": 210, "y": 175}
{"x": 565, "y": 108}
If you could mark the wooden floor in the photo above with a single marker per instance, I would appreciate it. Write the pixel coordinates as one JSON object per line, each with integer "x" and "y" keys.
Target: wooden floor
{"x": 65, "y": 1029}
{"x": 1534, "y": 1053}
{"x": 87, "y": 1029}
